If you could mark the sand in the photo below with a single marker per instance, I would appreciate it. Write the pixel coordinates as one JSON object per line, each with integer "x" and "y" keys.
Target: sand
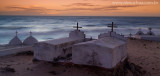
{"x": 145, "y": 54}
{"x": 141, "y": 52}
{"x": 24, "y": 66}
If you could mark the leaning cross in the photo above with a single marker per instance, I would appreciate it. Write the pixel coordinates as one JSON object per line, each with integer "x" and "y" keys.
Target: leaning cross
{"x": 112, "y": 27}
{"x": 77, "y": 26}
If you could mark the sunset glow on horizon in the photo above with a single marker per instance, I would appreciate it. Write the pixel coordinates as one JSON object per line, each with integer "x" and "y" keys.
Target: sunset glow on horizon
{"x": 80, "y": 7}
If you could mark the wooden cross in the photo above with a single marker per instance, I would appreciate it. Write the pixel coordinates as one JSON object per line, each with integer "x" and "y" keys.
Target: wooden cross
{"x": 16, "y": 33}
{"x": 112, "y": 27}
{"x": 77, "y": 26}
{"x": 30, "y": 33}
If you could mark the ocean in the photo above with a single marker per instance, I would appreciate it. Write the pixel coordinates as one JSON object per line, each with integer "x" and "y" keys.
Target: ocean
{"x": 53, "y": 27}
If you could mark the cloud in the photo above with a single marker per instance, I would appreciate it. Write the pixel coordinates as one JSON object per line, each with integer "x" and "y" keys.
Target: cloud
{"x": 102, "y": 8}
{"x": 42, "y": 10}
{"x": 94, "y": 9}
{"x": 81, "y": 4}
{"x": 122, "y": 6}
{"x": 28, "y": 8}
{"x": 15, "y": 7}
{"x": 31, "y": 10}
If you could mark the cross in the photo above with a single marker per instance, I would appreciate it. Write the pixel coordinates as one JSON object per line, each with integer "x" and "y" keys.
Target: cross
{"x": 149, "y": 28}
{"x": 76, "y": 26}
{"x": 30, "y": 33}
{"x": 130, "y": 35}
{"x": 112, "y": 27}
{"x": 16, "y": 32}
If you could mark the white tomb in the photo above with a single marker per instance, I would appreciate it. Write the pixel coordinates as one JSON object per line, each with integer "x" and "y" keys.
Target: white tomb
{"x": 15, "y": 41}
{"x": 150, "y": 32}
{"x": 105, "y": 52}
{"x": 112, "y": 34}
{"x": 30, "y": 40}
{"x": 139, "y": 32}
{"x": 58, "y": 48}
{"x": 148, "y": 36}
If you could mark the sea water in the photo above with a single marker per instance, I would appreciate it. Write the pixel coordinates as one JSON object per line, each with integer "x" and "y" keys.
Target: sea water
{"x": 53, "y": 27}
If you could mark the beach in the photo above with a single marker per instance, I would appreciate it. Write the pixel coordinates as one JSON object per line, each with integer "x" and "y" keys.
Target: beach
{"x": 145, "y": 54}
{"x": 140, "y": 52}
{"x": 24, "y": 66}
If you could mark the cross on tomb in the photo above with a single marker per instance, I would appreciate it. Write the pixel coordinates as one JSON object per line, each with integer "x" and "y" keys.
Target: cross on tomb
{"x": 130, "y": 35}
{"x": 30, "y": 33}
{"x": 112, "y": 27}
{"x": 77, "y": 26}
{"x": 16, "y": 33}
{"x": 150, "y": 29}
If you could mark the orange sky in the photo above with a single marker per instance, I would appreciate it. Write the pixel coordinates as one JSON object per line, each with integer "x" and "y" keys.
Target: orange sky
{"x": 79, "y": 8}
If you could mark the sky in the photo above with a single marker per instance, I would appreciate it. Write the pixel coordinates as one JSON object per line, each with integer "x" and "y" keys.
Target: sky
{"x": 80, "y": 7}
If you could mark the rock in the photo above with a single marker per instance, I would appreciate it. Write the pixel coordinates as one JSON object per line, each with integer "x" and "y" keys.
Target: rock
{"x": 53, "y": 72}
{"x": 7, "y": 69}
{"x": 35, "y": 60}
{"x": 30, "y": 53}
{"x": 135, "y": 69}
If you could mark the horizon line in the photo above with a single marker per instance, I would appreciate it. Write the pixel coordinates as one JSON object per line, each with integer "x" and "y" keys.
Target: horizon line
{"x": 79, "y": 16}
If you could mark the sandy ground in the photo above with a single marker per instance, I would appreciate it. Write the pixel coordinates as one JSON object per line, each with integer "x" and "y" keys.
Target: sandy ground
{"x": 24, "y": 66}
{"x": 143, "y": 53}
